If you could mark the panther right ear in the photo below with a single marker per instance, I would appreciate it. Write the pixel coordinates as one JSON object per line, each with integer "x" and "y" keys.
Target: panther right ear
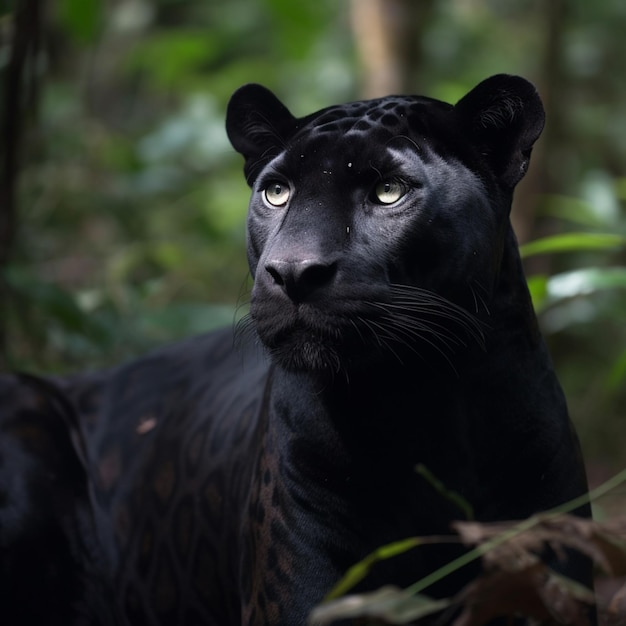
{"x": 504, "y": 117}
{"x": 258, "y": 124}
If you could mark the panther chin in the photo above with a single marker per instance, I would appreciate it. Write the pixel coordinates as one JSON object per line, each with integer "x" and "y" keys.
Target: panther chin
{"x": 307, "y": 355}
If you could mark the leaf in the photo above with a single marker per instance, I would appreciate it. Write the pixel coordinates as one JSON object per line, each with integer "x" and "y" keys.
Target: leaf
{"x": 361, "y": 569}
{"x": 81, "y": 18}
{"x": 56, "y": 304}
{"x": 532, "y": 591}
{"x": 576, "y": 210}
{"x": 299, "y": 25}
{"x": 617, "y": 606}
{"x": 617, "y": 373}
{"x": 503, "y": 532}
{"x": 572, "y": 242}
{"x": 391, "y": 604}
{"x": 609, "y": 539}
{"x": 604, "y": 543}
{"x": 585, "y": 281}
{"x": 185, "y": 318}
{"x": 620, "y": 188}
{"x": 538, "y": 287}
{"x": 169, "y": 58}
{"x": 516, "y": 582}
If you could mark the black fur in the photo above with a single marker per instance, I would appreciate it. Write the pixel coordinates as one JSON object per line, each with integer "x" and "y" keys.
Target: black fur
{"x": 52, "y": 569}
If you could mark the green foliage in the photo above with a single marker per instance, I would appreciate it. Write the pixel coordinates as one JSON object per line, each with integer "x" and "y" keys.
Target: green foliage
{"x": 132, "y": 200}
{"x": 361, "y": 569}
{"x": 573, "y": 242}
{"x": 580, "y": 301}
{"x": 81, "y": 19}
{"x": 174, "y": 59}
{"x": 547, "y": 291}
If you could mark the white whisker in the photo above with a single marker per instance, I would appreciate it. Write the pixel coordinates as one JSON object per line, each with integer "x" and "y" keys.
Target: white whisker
{"x": 415, "y": 316}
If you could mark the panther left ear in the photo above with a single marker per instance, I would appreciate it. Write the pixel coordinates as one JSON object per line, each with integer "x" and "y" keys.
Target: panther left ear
{"x": 257, "y": 124}
{"x": 504, "y": 117}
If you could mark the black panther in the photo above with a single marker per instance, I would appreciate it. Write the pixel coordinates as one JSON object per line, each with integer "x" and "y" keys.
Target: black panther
{"x": 234, "y": 479}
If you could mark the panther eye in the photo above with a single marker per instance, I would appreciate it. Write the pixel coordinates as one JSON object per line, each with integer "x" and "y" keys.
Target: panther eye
{"x": 276, "y": 194}
{"x": 389, "y": 191}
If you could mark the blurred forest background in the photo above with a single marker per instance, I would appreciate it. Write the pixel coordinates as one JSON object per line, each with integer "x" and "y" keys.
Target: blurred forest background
{"x": 122, "y": 204}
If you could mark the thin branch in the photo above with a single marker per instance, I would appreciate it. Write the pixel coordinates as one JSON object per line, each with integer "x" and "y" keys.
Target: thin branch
{"x": 24, "y": 44}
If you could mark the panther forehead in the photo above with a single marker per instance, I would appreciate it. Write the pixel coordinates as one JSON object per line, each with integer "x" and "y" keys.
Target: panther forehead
{"x": 382, "y": 117}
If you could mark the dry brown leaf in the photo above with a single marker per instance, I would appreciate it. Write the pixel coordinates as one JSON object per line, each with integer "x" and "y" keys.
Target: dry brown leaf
{"x": 516, "y": 582}
{"x": 604, "y": 543}
{"x": 614, "y": 551}
{"x": 533, "y": 591}
{"x": 617, "y": 605}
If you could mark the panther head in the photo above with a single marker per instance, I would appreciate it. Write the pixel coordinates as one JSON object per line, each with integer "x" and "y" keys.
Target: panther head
{"x": 376, "y": 229}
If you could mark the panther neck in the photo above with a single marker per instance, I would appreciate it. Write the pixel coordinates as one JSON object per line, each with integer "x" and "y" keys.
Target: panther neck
{"x": 330, "y": 430}
{"x": 512, "y": 317}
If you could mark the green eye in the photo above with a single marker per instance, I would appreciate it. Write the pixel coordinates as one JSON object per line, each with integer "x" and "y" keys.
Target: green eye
{"x": 389, "y": 191}
{"x": 276, "y": 194}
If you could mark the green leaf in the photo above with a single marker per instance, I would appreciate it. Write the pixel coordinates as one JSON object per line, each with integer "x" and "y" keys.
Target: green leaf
{"x": 620, "y": 188}
{"x": 538, "y": 287}
{"x": 359, "y": 571}
{"x": 391, "y": 604}
{"x": 584, "y": 282}
{"x": 617, "y": 374}
{"x": 185, "y": 318}
{"x": 56, "y": 304}
{"x": 81, "y": 18}
{"x": 298, "y": 25}
{"x": 572, "y": 242}
{"x": 574, "y": 210}
{"x": 6, "y": 8}
{"x": 170, "y": 58}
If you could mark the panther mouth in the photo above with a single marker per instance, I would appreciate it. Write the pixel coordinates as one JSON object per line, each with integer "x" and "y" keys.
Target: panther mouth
{"x": 415, "y": 324}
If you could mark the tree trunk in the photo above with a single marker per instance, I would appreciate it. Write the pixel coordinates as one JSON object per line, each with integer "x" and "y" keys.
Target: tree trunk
{"x": 540, "y": 179}
{"x": 24, "y": 47}
{"x": 388, "y": 36}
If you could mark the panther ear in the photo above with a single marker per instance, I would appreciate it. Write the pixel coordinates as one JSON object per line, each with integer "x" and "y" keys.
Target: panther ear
{"x": 258, "y": 124}
{"x": 504, "y": 117}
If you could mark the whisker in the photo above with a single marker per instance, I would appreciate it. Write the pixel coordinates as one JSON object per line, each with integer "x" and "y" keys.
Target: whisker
{"x": 423, "y": 338}
{"x": 440, "y": 308}
{"x": 480, "y": 298}
{"x": 357, "y": 329}
{"x": 372, "y": 325}
{"x": 415, "y": 316}
{"x": 417, "y": 299}
{"x": 448, "y": 338}
{"x": 475, "y": 300}
{"x": 413, "y": 334}
{"x": 244, "y": 329}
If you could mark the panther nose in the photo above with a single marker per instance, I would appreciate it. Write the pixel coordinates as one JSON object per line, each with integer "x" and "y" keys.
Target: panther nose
{"x": 300, "y": 278}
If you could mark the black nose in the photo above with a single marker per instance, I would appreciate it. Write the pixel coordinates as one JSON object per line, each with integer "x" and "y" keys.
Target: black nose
{"x": 300, "y": 279}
